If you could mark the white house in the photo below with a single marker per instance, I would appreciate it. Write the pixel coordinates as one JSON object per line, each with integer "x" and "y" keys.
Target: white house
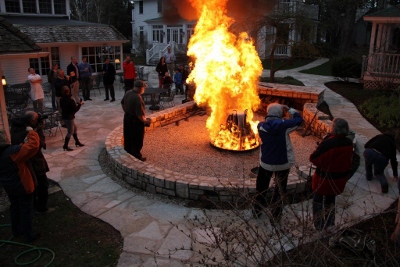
{"x": 48, "y": 24}
{"x": 149, "y": 27}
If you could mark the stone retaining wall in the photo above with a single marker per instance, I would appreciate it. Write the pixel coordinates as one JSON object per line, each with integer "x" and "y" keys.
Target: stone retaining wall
{"x": 157, "y": 180}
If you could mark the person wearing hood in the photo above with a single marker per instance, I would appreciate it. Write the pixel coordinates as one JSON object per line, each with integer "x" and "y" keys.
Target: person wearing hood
{"x": 276, "y": 156}
{"x": 378, "y": 151}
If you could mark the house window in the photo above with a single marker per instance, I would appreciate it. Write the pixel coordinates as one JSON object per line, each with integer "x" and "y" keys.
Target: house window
{"x": 159, "y": 6}
{"x": 140, "y": 7}
{"x": 45, "y": 6}
{"x": 29, "y": 6}
{"x": 96, "y": 55}
{"x": 141, "y": 36}
{"x": 41, "y": 65}
{"x": 12, "y": 6}
{"x": 158, "y": 34}
{"x": 55, "y": 55}
{"x": 59, "y": 7}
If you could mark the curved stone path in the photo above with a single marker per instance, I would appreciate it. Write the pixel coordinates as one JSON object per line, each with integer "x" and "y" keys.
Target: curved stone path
{"x": 147, "y": 223}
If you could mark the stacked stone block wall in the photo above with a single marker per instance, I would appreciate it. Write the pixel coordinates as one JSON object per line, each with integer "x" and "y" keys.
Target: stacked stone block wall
{"x": 157, "y": 180}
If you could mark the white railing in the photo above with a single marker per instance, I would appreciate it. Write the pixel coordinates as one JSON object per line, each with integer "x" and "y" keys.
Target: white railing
{"x": 281, "y": 50}
{"x": 384, "y": 64}
{"x": 158, "y": 50}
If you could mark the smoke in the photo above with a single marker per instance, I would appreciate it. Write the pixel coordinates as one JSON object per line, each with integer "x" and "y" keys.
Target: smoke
{"x": 241, "y": 11}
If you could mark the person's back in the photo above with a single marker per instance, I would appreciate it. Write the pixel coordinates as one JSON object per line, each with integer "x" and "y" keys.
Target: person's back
{"x": 17, "y": 181}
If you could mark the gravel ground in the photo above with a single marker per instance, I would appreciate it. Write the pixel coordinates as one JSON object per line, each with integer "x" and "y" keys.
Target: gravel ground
{"x": 186, "y": 148}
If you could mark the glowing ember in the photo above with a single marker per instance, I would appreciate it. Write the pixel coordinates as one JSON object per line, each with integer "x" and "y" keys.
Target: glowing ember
{"x": 226, "y": 71}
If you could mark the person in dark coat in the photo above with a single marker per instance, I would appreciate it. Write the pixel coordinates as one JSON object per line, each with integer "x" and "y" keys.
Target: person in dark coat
{"x": 378, "y": 151}
{"x": 69, "y": 108}
{"x": 61, "y": 81}
{"x": 134, "y": 120}
{"x": 161, "y": 69}
{"x": 18, "y": 182}
{"x": 38, "y": 161}
{"x": 108, "y": 79}
{"x": 277, "y": 155}
{"x": 333, "y": 159}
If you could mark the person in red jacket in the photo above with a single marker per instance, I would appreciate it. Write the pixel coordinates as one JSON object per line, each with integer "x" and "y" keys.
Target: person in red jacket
{"x": 333, "y": 159}
{"x": 129, "y": 73}
{"x": 18, "y": 182}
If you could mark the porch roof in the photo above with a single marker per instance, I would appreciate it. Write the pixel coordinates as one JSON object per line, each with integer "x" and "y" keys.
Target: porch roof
{"x": 388, "y": 15}
{"x": 13, "y": 41}
{"x": 54, "y": 30}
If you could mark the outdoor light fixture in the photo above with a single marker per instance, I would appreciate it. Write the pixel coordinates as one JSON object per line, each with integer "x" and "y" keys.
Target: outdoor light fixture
{"x": 117, "y": 61}
{"x": 3, "y": 81}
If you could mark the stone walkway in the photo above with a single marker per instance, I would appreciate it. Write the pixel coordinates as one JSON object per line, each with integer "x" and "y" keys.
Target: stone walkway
{"x": 147, "y": 224}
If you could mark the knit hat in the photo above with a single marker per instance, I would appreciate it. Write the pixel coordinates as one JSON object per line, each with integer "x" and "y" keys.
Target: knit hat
{"x": 139, "y": 84}
{"x": 275, "y": 109}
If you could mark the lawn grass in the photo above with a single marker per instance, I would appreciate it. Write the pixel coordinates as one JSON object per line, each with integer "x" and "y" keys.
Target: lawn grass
{"x": 285, "y": 80}
{"x": 266, "y": 63}
{"x": 76, "y": 238}
{"x": 324, "y": 69}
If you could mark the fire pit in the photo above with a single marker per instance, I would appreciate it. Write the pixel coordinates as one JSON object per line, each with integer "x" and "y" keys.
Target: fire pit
{"x": 237, "y": 134}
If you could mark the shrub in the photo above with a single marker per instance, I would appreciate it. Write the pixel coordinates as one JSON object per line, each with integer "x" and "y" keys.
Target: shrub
{"x": 346, "y": 67}
{"x": 383, "y": 109}
{"x": 304, "y": 50}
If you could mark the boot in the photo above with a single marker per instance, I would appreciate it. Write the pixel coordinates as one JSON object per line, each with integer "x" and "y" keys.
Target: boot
{"x": 77, "y": 143}
{"x": 66, "y": 147}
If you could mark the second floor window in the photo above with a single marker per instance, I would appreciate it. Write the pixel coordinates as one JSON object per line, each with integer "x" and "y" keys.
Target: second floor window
{"x": 59, "y": 7}
{"x": 12, "y": 6}
{"x": 159, "y": 6}
{"x": 140, "y": 7}
{"x": 29, "y": 6}
{"x": 45, "y": 6}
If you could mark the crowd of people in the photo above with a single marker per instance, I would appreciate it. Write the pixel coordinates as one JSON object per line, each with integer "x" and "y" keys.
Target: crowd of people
{"x": 23, "y": 166}
{"x": 332, "y": 160}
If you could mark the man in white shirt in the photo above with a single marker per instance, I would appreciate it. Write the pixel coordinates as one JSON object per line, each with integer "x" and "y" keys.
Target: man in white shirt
{"x": 170, "y": 60}
{"x": 37, "y": 94}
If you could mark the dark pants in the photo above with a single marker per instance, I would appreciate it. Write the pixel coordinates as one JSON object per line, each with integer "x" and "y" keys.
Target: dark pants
{"x": 262, "y": 185}
{"x": 85, "y": 83}
{"x": 378, "y": 162}
{"x": 128, "y": 84}
{"x": 133, "y": 135}
{"x": 41, "y": 193}
{"x": 109, "y": 91}
{"x": 53, "y": 97}
{"x": 21, "y": 211}
{"x": 323, "y": 211}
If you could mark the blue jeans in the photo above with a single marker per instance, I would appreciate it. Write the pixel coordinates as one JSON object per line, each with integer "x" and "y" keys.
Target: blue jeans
{"x": 71, "y": 127}
{"x": 379, "y": 162}
{"x": 53, "y": 97}
{"x": 323, "y": 211}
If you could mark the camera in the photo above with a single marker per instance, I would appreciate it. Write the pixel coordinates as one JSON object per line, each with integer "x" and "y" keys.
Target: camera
{"x": 42, "y": 117}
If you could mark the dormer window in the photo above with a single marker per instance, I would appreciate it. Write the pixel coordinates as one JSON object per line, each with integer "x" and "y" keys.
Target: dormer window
{"x": 55, "y": 7}
{"x": 29, "y": 6}
{"x": 13, "y": 6}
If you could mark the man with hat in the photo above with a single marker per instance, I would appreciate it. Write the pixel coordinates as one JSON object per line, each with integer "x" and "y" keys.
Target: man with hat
{"x": 134, "y": 119}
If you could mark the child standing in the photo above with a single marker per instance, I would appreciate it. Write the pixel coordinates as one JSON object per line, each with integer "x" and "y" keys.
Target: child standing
{"x": 178, "y": 81}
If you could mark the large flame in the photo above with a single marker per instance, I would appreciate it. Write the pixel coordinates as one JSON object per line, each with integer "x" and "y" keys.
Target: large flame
{"x": 226, "y": 70}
